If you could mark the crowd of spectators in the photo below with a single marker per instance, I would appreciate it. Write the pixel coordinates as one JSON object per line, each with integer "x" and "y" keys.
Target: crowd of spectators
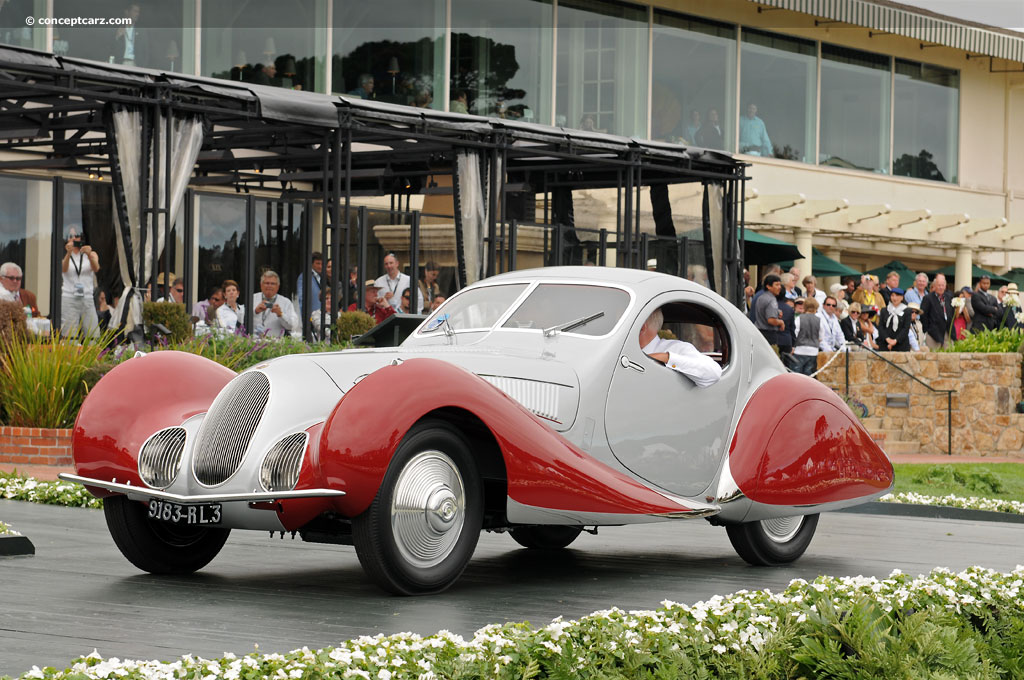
{"x": 801, "y": 322}
{"x": 88, "y": 310}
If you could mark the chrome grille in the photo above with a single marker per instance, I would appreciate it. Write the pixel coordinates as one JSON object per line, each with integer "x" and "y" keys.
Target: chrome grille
{"x": 539, "y": 397}
{"x": 228, "y": 427}
{"x": 160, "y": 457}
{"x": 280, "y": 470}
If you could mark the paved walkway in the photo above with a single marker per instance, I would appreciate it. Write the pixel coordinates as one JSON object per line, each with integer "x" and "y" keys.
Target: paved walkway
{"x": 49, "y": 472}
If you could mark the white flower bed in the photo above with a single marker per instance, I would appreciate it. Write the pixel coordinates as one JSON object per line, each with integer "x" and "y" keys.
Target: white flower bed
{"x": 953, "y": 501}
{"x": 53, "y": 493}
{"x": 721, "y": 635}
{"x": 6, "y": 530}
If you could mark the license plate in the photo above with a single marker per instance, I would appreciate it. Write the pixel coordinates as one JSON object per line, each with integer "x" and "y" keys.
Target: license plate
{"x": 176, "y": 513}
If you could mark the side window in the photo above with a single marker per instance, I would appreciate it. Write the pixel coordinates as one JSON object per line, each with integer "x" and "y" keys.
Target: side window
{"x": 699, "y": 326}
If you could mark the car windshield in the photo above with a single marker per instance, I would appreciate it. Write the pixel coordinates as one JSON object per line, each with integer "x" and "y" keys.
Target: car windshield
{"x": 475, "y": 308}
{"x": 552, "y": 305}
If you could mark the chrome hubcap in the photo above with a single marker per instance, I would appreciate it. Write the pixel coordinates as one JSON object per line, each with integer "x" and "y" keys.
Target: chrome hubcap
{"x": 782, "y": 529}
{"x": 428, "y": 509}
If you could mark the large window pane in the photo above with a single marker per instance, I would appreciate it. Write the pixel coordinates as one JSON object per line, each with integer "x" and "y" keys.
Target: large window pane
{"x": 25, "y": 232}
{"x": 13, "y": 28}
{"x": 926, "y": 125}
{"x": 156, "y": 39}
{"x": 602, "y": 67}
{"x": 266, "y": 42}
{"x": 221, "y": 237}
{"x": 501, "y": 58}
{"x": 854, "y": 109}
{"x": 777, "y": 96}
{"x": 694, "y": 90}
{"x": 396, "y": 47}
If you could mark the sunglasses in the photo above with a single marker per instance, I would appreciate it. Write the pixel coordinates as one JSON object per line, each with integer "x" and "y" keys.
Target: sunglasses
{"x": 854, "y": 312}
{"x": 829, "y": 304}
{"x": 180, "y": 290}
{"x": 13, "y": 278}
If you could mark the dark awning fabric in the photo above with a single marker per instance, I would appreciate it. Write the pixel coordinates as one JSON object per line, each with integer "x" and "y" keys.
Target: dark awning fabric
{"x": 758, "y": 248}
{"x": 27, "y": 57}
{"x": 217, "y": 88}
{"x": 295, "y": 106}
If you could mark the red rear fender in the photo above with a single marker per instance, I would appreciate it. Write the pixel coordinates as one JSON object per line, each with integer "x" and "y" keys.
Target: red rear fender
{"x": 133, "y": 401}
{"x": 797, "y": 443}
{"x": 543, "y": 469}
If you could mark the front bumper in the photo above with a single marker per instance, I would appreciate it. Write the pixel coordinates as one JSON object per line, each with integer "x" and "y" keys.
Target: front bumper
{"x": 140, "y": 493}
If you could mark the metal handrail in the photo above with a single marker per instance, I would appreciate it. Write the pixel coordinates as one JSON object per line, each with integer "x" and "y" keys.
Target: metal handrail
{"x": 949, "y": 393}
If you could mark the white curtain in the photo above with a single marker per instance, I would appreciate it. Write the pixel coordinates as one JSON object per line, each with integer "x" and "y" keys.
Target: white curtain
{"x": 716, "y": 196}
{"x": 473, "y": 211}
{"x": 186, "y": 141}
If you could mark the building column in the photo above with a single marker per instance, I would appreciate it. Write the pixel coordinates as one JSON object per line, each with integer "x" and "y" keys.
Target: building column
{"x": 962, "y": 273}
{"x": 805, "y": 245}
{"x": 39, "y": 232}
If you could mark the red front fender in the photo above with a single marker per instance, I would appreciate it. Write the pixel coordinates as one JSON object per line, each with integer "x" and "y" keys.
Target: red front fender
{"x": 544, "y": 470}
{"x": 798, "y": 444}
{"x": 133, "y": 401}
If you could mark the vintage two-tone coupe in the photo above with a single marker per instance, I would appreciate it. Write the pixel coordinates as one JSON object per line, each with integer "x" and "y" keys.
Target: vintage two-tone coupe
{"x": 525, "y": 405}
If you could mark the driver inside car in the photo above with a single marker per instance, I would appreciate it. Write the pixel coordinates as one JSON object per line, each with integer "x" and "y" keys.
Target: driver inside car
{"x": 678, "y": 355}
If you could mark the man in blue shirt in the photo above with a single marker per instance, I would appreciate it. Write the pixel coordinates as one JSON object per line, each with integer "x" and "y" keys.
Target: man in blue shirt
{"x": 753, "y": 134}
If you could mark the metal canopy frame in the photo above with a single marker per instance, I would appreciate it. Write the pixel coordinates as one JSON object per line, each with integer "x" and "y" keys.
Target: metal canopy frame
{"x": 331, "y": 149}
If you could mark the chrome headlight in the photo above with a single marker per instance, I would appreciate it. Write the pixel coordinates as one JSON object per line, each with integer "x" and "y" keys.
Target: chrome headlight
{"x": 160, "y": 457}
{"x": 280, "y": 469}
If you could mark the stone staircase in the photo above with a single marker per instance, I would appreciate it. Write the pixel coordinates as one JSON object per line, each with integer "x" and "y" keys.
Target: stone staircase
{"x": 891, "y": 441}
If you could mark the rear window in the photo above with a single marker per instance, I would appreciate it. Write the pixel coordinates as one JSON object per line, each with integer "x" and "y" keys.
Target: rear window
{"x": 555, "y": 304}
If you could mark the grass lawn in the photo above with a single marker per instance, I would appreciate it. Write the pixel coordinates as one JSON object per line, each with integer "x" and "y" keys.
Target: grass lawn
{"x": 986, "y": 480}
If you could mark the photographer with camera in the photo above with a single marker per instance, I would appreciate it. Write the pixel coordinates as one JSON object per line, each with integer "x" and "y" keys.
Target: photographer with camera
{"x": 273, "y": 314}
{"x": 80, "y": 263}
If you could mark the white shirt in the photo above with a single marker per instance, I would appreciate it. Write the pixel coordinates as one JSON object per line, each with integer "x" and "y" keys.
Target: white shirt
{"x": 684, "y": 358}
{"x": 396, "y": 285}
{"x": 129, "y": 43}
{"x": 10, "y": 295}
{"x": 268, "y": 323}
{"x": 832, "y": 337}
{"x": 79, "y": 271}
{"x": 239, "y": 315}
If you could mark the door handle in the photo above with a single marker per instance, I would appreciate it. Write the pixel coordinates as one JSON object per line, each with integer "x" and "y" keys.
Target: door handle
{"x": 627, "y": 363}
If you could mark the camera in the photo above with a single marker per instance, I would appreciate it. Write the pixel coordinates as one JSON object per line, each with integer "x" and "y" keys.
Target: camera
{"x": 77, "y": 243}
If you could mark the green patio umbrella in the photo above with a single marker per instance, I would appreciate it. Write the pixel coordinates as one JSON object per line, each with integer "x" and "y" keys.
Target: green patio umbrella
{"x": 1015, "y": 275}
{"x": 758, "y": 248}
{"x": 907, "y": 275}
{"x": 822, "y": 265}
{"x": 976, "y": 273}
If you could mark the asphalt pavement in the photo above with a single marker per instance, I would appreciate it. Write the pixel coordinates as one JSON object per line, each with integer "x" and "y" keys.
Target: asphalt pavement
{"x": 77, "y": 593}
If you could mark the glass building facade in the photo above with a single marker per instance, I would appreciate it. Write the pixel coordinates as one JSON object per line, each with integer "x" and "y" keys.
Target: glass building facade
{"x": 625, "y": 69}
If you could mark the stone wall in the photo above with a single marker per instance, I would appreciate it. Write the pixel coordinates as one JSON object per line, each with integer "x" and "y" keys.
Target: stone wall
{"x": 988, "y": 388}
{"x": 35, "y": 446}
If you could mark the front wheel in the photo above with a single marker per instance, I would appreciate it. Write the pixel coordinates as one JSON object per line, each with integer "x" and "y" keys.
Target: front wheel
{"x": 545, "y": 537}
{"x": 422, "y": 527}
{"x": 773, "y": 542}
{"x": 160, "y": 547}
